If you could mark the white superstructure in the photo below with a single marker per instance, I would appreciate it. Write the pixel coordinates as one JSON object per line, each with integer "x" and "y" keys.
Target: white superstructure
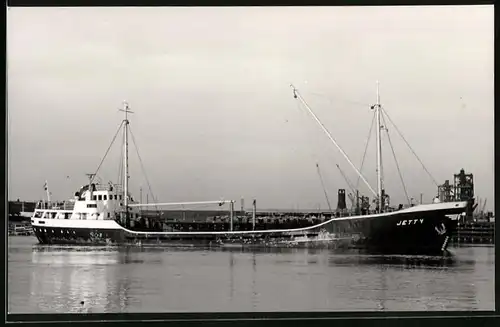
{"x": 100, "y": 202}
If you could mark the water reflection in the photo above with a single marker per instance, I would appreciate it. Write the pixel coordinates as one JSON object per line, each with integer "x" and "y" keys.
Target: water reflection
{"x": 154, "y": 279}
{"x": 403, "y": 261}
{"x": 118, "y": 292}
{"x": 231, "y": 275}
{"x": 84, "y": 280}
{"x": 254, "y": 289}
{"x": 382, "y": 291}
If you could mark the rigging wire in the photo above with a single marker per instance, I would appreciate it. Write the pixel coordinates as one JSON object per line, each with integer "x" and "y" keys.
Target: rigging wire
{"x": 392, "y": 148}
{"x": 314, "y": 158}
{"x": 409, "y": 146}
{"x": 308, "y": 135}
{"x": 366, "y": 148}
{"x": 120, "y": 161}
{"x": 142, "y": 167}
{"x": 98, "y": 167}
{"x": 349, "y": 184}
{"x": 367, "y": 142}
{"x": 122, "y": 167}
{"x": 317, "y": 166}
{"x": 357, "y": 103}
{"x": 396, "y": 161}
{"x": 297, "y": 95}
{"x": 324, "y": 189}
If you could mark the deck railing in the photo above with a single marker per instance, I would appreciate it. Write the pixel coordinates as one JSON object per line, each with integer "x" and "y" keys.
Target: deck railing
{"x": 108, "y": 187}
{"x": 60, "y": 205}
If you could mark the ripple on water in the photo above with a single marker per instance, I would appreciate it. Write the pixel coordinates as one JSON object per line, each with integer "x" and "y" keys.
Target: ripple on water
{"x": 150, "y": 279}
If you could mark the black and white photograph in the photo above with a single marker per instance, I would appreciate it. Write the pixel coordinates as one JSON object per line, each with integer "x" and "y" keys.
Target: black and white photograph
{"x": 250, "y": 159}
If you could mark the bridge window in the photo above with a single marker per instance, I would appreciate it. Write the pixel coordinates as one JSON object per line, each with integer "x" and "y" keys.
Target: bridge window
{"x": 121, "y": 197}
{"x": 99, "y": 197}
{"x": 94, "y": 197}
{"x": 104, "y": 197}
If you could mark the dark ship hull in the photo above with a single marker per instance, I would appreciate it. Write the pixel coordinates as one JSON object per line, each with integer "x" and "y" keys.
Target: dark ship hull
{"x": 424, "y": 229}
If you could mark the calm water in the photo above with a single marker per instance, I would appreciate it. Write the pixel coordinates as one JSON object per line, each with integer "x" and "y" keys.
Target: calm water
{"x": 57, "y": 279}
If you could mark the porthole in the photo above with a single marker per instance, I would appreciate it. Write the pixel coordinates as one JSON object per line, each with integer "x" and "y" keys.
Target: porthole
{"x": 44, "y": 230}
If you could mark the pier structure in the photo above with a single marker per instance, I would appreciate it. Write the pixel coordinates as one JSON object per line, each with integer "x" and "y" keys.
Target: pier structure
{"x": 464, "y": 186}
{"x": 445, "y": 191}
{"x": 464, "y": 191}
{"x": 461, "y": 190}
{"x": 19, "y": 210}
{"x": 478, "y": 232}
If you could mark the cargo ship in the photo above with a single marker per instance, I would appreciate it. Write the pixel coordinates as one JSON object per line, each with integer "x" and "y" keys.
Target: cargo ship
{"x": 107, "y": 214}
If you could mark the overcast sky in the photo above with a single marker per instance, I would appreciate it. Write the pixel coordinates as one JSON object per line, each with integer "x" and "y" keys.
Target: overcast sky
{"x": 215, "y": 116}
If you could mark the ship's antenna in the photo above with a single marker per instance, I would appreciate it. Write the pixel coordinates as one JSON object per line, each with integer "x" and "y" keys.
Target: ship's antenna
{"x": 126, "y": 110}
{"x": 297, "y": 95}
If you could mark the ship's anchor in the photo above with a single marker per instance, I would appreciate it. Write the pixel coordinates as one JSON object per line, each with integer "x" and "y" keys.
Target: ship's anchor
{"x": 440, "y": 230}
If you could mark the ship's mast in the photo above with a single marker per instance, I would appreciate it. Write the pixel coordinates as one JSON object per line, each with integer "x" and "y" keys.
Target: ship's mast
{"x": 126, "y": 110}
{"x": 379, "y": 153}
